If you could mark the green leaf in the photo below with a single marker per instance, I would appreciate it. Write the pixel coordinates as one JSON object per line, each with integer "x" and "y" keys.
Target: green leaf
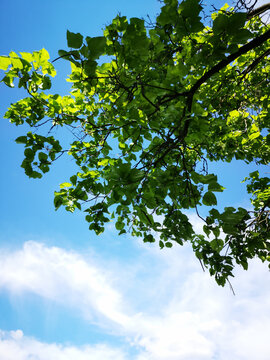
{"x": 96, "y": 46}
{"x": 58, "y": 201}
{"x": 42, "y": 157}
{"x": 149, "y": 238}
{"x": 241, "y": 36}
{"x": 29, "y": 154}
{"x": 64, "y": 54}
{"x": 206, "y": 230}
{"x": 74, "y": 40}
{"x": 220, "y": 24}
{"x": 46, "y": 83}
{"x": 209, "y": 199}
{"x": 216, "y": 231}
{"x": 214, "y": 186}
{"x": 8, "y": 80}
{"x": 236, "y": 21}
{"x": 21, "y": 140}
{"x": 90, "y": 67}
{"x": 217, "y": 244}
{"x": 119, "y": 225}
{"x": 35, "y": 175}
{"x": 73, "y": 179}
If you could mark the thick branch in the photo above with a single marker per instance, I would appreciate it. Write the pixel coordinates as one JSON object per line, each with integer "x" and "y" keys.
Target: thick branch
{"x": 258, "y": 11}
{"x": 223, "y": 63}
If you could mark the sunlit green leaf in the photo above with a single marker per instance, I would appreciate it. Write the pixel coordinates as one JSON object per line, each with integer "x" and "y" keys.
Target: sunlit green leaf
{"x": 4, "y": 62}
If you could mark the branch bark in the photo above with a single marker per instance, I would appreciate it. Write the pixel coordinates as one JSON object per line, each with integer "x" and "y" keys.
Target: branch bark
{"x": 223, "y": 63}
{"x": 255, "y": 63}
{"x": 258, "y": 11}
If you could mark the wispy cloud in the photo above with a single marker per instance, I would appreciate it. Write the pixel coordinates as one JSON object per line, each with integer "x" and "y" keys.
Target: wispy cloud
{"x": 172, "y": 310}
{"x": 63, "y": 276}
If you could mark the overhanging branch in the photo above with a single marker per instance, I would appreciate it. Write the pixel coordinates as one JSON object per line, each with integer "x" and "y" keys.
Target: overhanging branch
{"x": 258, "y": 11}
{"x": 223, "y": 63}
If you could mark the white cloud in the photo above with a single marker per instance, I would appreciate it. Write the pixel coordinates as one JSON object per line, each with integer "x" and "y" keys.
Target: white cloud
{"x": 15, "y": 346}
{"x": 175, "y": 310}
{"x": 62, "y": 276}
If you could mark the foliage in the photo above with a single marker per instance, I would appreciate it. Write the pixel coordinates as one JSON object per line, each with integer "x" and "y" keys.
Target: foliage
{"x": 167, "y": 98}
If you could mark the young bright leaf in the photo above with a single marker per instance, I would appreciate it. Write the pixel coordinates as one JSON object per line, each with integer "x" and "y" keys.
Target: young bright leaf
{"x": 4, "y": 62}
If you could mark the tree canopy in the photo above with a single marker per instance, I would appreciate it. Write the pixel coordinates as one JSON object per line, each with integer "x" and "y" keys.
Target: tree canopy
{"x": 151, "y": 104}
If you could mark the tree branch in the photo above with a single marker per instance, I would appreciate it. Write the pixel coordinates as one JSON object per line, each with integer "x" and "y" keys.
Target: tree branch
{"x": 255, "y": 63}
{"x": 223, "y": 63}
{"x": 258, "y": 11}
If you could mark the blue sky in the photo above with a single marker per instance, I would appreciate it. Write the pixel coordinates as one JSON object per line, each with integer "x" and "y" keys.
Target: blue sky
{"x": 66, "y": 293}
